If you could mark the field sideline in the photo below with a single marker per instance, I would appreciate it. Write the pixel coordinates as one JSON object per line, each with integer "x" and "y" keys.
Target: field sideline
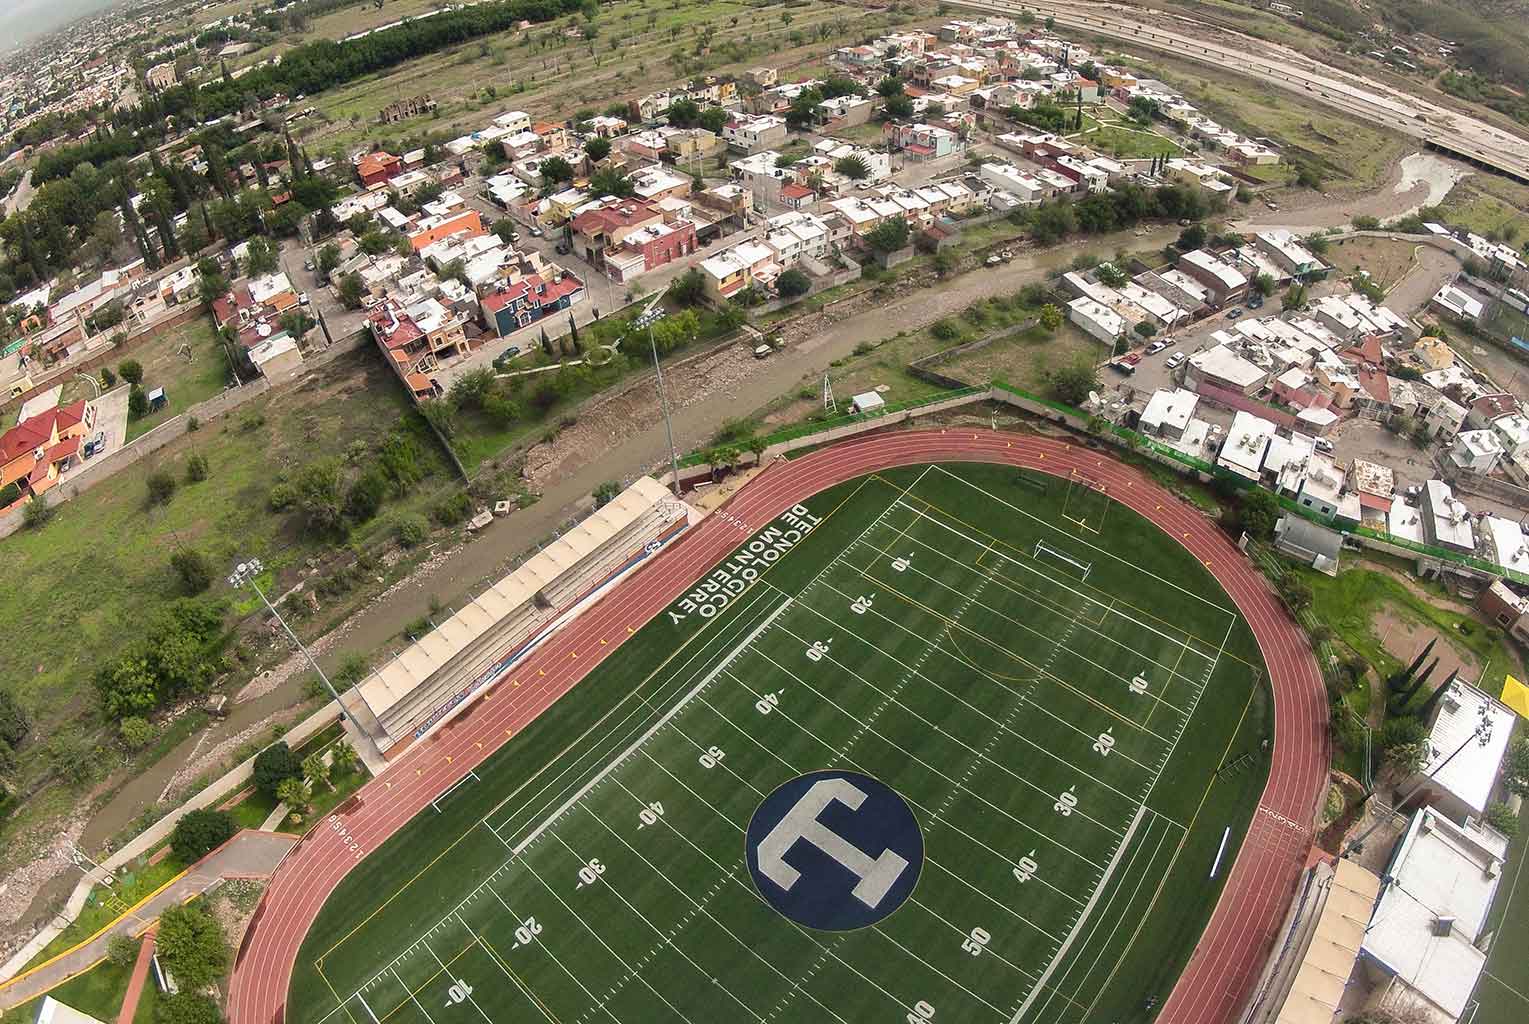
{"x": 624, "y": 853}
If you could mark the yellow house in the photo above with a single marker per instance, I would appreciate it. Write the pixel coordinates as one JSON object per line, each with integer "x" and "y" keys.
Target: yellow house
{"x": 1434, "y": 353}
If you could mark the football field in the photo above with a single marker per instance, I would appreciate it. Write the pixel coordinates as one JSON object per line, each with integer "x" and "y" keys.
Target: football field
{"x": 951, "y": 743}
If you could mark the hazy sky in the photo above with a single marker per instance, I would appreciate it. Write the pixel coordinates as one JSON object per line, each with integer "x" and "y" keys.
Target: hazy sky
{"x": 21, "y": 20}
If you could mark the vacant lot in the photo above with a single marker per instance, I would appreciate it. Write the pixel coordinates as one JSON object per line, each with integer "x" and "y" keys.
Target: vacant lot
{"x": 1386, "y": 261}
{"x": 1491, "y": 206}
{"x": 188, "y": 362}
{"x": 1122, "y": 139}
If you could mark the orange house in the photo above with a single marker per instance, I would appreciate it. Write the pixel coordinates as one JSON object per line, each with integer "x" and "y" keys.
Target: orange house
{"x": 433, "y": 229}
{"x": 36, "y": 450}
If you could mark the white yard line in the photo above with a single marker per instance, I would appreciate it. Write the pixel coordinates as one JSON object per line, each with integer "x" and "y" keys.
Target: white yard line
{"x": 716, "y": 670}
{"x": 1087, "y": 909}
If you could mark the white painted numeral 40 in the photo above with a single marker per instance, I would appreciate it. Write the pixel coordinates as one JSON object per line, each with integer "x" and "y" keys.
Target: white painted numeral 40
{"x": 650, "y": 814}
{"x": 712, "y": 757}
{"x": 923, "y": 1012}
{"x": 590, "y": 873}
{"x": 768, "y": 703}
{"x": 1027, "y": 867}
{"x": 527, "y": 932}
{"x": 976, "y": 941}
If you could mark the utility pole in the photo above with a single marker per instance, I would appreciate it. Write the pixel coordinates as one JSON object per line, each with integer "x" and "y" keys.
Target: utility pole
{"x": 646, "y": 319}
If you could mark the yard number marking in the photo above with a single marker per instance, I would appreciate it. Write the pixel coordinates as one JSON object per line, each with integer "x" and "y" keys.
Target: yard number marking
{"x": 901, "y": 564}
{"x": 1066, "y": 803}
{"x": 1104, "y": 744}
{"x": 1027, "y": 867}
{"x": 768, "y": 703}
{"x": 712, "y": 757}
{"x": 976, "y": 942}
{"x": 590, "y": 873}
{"x": 861, "y": 604}
{"x": 649, "y": 815}
{"x": 1139, "y": 684}
{"x": 459, "y": 991}
{"x": 818, "y": 649}
{"x": 923, "y": 1012}
{"x": 527, "y": 932}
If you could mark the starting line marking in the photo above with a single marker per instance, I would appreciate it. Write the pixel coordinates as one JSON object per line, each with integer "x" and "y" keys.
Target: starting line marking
{"x": 716, "y": 670}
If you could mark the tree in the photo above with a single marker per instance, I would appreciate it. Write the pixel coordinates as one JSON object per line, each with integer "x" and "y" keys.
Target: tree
{"x": 351, "y": 290}
{"x": 193, "y": 569}
{"x": 196, "y": 468}
{"x": 1050, "y": 317}
{"x": 329, "y": 258}
{"x": 36, "y": 513}
{"x": 187, "y": 1008}
{"x": 1052, "y": 222}
{"x": 899, "y": 106}
{"x": 1264, "y": 284}
{"x": 1400, "y": 680}
{"x": 344, "y": 758}
{"x": 793, "y": 283}
{"x": 316, "y": 769}
{"x": 14, "y": 722}
{"x": 1192, "y": 237}
{"x": 888, "y": 236}
{"x": 1515, "y": 773}
{"x": 1295, "y": 592}
{"x": 714, "y": 119}
{"x": 689, "y": 289}
{"x": 191, "y": 945}
{"x": 122, "y": 949}
{"x": 200, "y": 832}
{"x": 274, "y": 765}
{"x": 262, "y": 258}
{"x": 1145, "y": 328}
{"x": 160, "y": 487}
{"x": 131, "y": 370}
{"x": 295, "y": 793}
{"x": 1072, "y": 383}
{"x": 1260, "y": 511}
{"x": 853, "y": 167}
{"x": 597, "y": 149}
{"x": 555, "y": 169}
{"x": 610, "y": 182}
{"x": 135, "y": 732}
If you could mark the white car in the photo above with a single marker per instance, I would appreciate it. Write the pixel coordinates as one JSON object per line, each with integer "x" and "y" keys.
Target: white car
{"x": 302, "y": 298}
{"x": 1156, "y": 347}
{"x": 1175, "y": 361}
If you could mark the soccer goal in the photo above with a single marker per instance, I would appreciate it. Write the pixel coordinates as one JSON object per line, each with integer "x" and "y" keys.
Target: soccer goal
{"x": 1081, "y": 568}
{"x": 1087, "y": 502}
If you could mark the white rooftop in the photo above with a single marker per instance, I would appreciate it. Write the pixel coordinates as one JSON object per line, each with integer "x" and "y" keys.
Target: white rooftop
{"x": 1470, "y": 774}
{"x": 1172, "y": 409}
{"x": 1246, "y": 443}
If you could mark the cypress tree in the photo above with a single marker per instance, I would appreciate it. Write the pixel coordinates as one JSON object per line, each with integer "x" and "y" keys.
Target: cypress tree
{"x": 1399, "y": 701}
{"x": 1433, "y": 698}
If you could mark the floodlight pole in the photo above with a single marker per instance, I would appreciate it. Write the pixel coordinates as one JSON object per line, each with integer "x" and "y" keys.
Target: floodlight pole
{"x": 1482, "y": 735}
{"x": 663, "y": 398}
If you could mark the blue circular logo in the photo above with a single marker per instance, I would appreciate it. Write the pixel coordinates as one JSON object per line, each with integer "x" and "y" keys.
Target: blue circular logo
{"x": 835, "y": 850}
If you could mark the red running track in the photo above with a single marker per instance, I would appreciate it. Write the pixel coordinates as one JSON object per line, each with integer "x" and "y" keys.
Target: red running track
{"x": 1225, "y": 965}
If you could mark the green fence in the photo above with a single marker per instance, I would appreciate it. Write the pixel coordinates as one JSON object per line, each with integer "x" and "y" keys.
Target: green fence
{"x": 704, "y": 456}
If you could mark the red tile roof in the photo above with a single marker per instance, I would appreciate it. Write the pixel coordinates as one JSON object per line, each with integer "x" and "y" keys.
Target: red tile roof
{"x": 375, "y": 163}
{"x": 1376, "y": 384}
{"x": 38, "y": 430}
{"x": 795, "y": 191}
{"x": 1365, "y": 350}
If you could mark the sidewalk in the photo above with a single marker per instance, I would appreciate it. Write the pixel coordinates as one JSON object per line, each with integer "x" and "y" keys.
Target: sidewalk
{"x": 249, "y": 854}
{"x": 135, "y": 983}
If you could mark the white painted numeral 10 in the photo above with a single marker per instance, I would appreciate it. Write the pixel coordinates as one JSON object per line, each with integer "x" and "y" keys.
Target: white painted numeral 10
{"x": 650, "y": 814}
{"x": 527, "y": 932}
{"x": 976, "y": 941}
{"x": 712, "y": 757}
{"x": 1139, "y": 684}
{"x": 923, "y": 1012}
{"x": 590, "y": 873}
{"x": 901, "y": 564}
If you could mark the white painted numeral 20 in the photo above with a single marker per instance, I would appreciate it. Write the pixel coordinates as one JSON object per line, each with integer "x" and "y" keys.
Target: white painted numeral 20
{"x": 976, "y": 941}
{"x": 590, "y": 873}
{"x": 712, "y": 757}
{"x": 526, "y": 934}
{"x": 923, "y": 1012}
{"x": 650, "y": 814}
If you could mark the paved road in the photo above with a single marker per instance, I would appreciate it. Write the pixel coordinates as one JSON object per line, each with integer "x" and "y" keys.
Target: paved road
{"x": 249, "y": 854}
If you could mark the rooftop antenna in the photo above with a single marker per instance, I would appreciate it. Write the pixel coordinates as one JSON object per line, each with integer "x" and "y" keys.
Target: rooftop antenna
{"x": 829, "y": 405}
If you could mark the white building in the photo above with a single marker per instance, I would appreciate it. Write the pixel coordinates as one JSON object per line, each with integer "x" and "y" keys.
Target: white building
{"x": 1097, "y": 319}
{"x": 1476, "y": 450}
{"x": 1420, "y": 946}
{"x": 1446, "y": 520}
{"x": 1168, "y": 413}
{"x": 1246, "y": 444}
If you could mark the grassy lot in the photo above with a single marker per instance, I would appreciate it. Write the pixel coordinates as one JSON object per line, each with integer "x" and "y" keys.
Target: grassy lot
{"x": 98, "y": 992}
{"x": 1349, "y": 153}
{"x": 1503, "y": 989}
{"x": 188, "y": 362}
{"x": 1387, "y": 262}
{"x": 1123, "y": 140}
{"x": 1489, "y": 206}
{"x": 103, "y": 905}
{"x": 971, "y": 582}
{"x": 252, "y": 811}
{"x": 89, "y": 579}
{"x": 638, "y": 48}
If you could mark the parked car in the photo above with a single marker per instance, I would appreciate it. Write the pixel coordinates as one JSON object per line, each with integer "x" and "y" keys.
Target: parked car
{"x": 563, "y": 249}
{"x": 95, "y": 445}
{"x": 536, "y": 232}
{"x": 1175, "y": 361}
{"x": 1256, "y": 302}
{"x": 1234, "y": 314}
{"x": 302, "y": 298}
{"x": 307, "y": 264}
{"x": 993, "y": 260}
{"x": 1156, "y": 347}
{"x": 1323, "y": 445}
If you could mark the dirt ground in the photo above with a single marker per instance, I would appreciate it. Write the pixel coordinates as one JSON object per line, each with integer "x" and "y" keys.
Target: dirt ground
{"x": 1405, "y": 639}
{"x": 1388, "y": 262}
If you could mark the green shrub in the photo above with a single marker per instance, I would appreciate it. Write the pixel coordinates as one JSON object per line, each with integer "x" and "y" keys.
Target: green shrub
{"x": 200, "y": 832}
{"x": 274, "y": 765}
{"x": 452, "y": 509}
{"x": 136, "y": 732}
{"x": 412, "y": 529}
{"x": 944, "y": 330}
{"x": 196, "y": 469}
{"x": 282, "y": 497}
{"x": 1501, "y": 817}
{"x": 161, "y": 487}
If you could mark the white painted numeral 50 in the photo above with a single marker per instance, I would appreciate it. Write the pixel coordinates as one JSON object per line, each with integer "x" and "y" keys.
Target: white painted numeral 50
{"x": 712, "y": 757}
{"x": 976, "y": 941}
{"x": 922, "y": 1013}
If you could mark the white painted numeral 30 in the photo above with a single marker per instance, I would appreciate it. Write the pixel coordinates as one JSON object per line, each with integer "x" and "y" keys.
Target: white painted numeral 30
{"x": 976, "y": 941}
{"x": 590, "y": 873}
